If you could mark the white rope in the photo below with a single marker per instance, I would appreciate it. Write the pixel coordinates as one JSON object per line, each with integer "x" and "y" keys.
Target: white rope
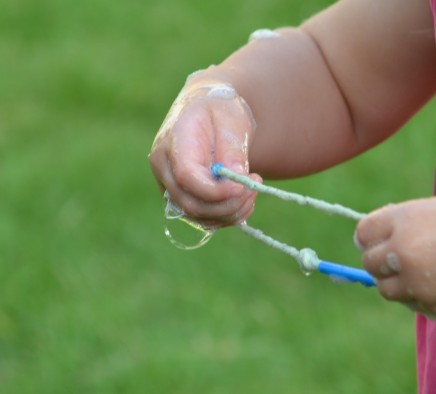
{"x": 306, "y": 258}
{"x": 335, "y": 209}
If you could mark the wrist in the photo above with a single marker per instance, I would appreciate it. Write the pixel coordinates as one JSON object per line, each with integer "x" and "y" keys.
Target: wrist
{"x": 216, "y": 84}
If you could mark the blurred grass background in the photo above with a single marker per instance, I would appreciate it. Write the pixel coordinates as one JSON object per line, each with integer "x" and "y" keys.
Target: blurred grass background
{"x": 94, "y": 299}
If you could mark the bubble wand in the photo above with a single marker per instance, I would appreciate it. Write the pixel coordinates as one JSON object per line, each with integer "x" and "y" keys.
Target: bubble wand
{"x": 306, "y": 258}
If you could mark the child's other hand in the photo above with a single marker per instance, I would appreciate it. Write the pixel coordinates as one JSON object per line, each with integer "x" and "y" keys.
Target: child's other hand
{"x": 399, "y": 249}
{"x": 206, "y": 124}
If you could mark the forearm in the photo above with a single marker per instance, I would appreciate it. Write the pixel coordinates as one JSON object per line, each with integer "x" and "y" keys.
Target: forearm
{"x": 295, "y": 101}
{"x": 383, "y": 58}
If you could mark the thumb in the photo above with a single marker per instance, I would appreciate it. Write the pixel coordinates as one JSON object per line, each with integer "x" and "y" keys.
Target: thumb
{"x": 234, "y": 130}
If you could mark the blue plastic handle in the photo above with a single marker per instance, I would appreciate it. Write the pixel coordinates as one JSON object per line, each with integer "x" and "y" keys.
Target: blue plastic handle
{"x": 215, "y": 170}
{"x": 346, "y": 274}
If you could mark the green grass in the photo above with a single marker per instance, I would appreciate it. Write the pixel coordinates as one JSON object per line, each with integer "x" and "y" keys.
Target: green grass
{"x": 94, "y": 299}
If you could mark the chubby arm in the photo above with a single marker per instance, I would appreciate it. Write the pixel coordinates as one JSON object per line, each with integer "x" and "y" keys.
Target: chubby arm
{"x": 383, "y": 58}
{"x": 345, "y": 80}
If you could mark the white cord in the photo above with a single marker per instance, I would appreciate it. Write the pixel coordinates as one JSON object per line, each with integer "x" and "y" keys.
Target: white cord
{"x": 335, "y": 209}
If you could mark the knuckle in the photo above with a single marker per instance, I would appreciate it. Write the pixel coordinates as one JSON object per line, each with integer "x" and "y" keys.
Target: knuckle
{"x": 154, "y": 161}
{"x": 391, "y": 289}
{"x": 363, "y": 234}
{"x": 180, "y": 173}
{"x": 388, "y": 294}
{"x": 370, "y": 263}
{"x": 189, "y": 207}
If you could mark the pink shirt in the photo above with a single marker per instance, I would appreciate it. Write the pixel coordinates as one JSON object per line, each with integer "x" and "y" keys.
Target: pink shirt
{"x": 426, "y": 354}
{"x": 426, "y": 329}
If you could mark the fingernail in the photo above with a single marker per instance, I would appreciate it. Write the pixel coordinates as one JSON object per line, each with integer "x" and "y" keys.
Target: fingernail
{"x": 384, "y": 270}
{"x": 238, "y": 168}
{"x": 393, "y": 262}
{"x": 357, "y": 242}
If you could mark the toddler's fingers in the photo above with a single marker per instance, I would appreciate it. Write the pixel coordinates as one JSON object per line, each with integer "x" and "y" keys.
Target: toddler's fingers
{"x": 197, "y": 180}
{"x": 204, "y": 135}
{"x": 381, "y": 261}
{"x": 420, "y": 308}
{"x": 199, "y": 209}
{"x": 234, "y": 132}
{"x": 236, "y": 218}
{"x": 375, "y": 228}
{"x": 393, "y": 289}
{"x": 185, "y": 176}
{"x": 246, "y": 210}
{"x": 206, "y": 125}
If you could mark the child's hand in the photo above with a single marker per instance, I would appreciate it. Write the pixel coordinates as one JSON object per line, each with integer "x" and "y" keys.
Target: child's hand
{"x": 399, "y": 245}
{"x": 206, "y": 124}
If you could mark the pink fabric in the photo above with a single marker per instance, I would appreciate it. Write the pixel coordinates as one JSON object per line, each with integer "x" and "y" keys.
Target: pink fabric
{"x": 426, "y": 335}
{"x": 426, "y": 354}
